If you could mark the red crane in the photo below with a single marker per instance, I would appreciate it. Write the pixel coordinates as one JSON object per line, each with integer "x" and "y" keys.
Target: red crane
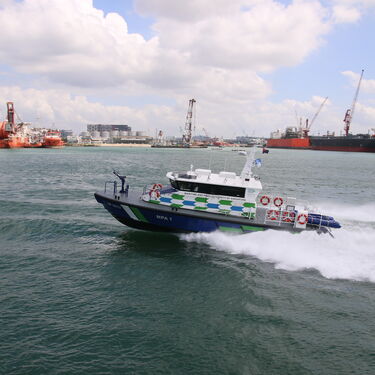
{"x": 350, "y": 112}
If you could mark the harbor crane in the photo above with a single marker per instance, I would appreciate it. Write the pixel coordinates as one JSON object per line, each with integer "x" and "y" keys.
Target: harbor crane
{"x": 350, "y": 112}
{"x": 187, "y": 136}
{"x": 307, "y": 128}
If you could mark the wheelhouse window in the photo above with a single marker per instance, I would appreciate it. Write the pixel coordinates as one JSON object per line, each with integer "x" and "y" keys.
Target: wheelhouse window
{"x": 209, "y": 189}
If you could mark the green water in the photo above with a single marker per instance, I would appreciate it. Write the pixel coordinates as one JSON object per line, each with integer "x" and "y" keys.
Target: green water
{"x": 83, "y": 294}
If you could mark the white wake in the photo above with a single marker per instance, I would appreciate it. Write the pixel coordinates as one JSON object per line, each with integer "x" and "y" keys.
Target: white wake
{"x": 350, "y": 255}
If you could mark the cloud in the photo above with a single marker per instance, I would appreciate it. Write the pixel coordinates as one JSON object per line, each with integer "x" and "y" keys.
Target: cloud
{"x": 59, "y": 107}
{"x": 216, "y": 51}
{"x": 255, "y": 35}
{"x": 72, "y": 42}
{"x": 367, "y": 85}
{"x": 345, "y": 14}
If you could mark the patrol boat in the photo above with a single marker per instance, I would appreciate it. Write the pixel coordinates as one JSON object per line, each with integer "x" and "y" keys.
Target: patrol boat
{"x": 199, "y": 200}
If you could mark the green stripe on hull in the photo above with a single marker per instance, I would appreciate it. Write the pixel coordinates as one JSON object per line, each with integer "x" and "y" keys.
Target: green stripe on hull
{"x": 230, "y": 229}
{"x": 249, "y": 204}
{"x": 252, "y": 229}
{"x": 225, "y": 202}
{"x": 176, "y": 205}
{"x": 200, "y": 208}
{"x": 138, "y": 214}
{"x": 201, "y": 199}
{"x": 178, "y": 196}
{"x": 154, "y": 201}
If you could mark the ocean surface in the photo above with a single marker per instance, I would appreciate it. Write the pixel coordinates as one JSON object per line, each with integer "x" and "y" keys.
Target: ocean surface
{"x": 82, "y": 294}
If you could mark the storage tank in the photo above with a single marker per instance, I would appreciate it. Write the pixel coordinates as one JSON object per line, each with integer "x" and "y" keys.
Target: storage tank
{"x": 124, "y": 133}
{"x": 140, "y": 133}
{"x": 132, "y": 133}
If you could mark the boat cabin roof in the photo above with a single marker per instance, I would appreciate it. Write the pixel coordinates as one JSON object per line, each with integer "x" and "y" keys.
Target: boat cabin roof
{"x": 205, "y": 176}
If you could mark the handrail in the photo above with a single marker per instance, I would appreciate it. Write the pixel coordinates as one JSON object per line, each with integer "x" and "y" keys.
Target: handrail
{"x": 114, "y": 186}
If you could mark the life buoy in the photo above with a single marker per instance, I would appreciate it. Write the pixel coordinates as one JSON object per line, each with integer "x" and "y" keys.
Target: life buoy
{"x": 288, "y": 216}
{"x": 278, "y": 201}
{"x": 155, "y": 190}
{"x": 302, "y": 219}
{"x": 273, "y": 215}
{"x": 265, "y": 200}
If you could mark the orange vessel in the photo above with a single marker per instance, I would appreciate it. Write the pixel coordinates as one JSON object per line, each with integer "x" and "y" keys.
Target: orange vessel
{"x": 13, "y": 135}
{"x": 289, "y": 143}
{"x": 53, "y": 140}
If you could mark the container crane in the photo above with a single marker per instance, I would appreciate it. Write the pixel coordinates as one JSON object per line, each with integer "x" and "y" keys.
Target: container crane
{"x": 350, "y": 112}
{"x": 307, "y": 128}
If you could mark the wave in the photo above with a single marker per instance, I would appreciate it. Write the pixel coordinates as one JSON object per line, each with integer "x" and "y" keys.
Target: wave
{"x": 350, "y": 255}
{"x": 348, "y": 212}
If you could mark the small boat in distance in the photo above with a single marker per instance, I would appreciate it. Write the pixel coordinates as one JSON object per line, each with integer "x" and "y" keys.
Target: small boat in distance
{"x": 202, "y": 201}
{"x": 52, "y": 139}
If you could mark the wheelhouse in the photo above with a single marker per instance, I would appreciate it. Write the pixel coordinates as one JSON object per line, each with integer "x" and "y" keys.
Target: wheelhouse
{"x": 228, "y": 184}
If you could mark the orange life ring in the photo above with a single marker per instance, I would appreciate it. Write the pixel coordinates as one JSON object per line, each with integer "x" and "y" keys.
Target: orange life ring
{"x": 288, "y": 216}
{"x": 302, "y": 219}
{"x": 278, "y": 201}
{"x": 265, "y": 198}
{"x": 155, "y": 189}
{"x": 273, "y": 214}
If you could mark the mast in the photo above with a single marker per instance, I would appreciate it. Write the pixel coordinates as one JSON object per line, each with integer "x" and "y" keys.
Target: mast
{"x": 186, "y": 138}
{"x": 350, "y": 112}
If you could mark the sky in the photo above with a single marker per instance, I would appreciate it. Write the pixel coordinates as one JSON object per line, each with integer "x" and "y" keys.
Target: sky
{"x": 253, "y": 66}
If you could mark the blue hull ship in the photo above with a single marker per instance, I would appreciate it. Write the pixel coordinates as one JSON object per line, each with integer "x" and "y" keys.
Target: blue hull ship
{"x": 202, "y": 201}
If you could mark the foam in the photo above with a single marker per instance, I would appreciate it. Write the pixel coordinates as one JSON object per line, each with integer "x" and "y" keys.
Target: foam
{"x": 350, "y": 255}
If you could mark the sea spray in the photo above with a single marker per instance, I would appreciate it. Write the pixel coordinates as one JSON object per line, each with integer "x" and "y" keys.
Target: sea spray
{"x": 350, "y": 255}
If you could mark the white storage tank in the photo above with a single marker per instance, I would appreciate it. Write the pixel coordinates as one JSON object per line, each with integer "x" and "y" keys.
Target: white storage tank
{"x": 140, "y": 133}
{"x": 124, "y": 133}
{"x": 132, "y": 133}
{"x": 95, "y": 134}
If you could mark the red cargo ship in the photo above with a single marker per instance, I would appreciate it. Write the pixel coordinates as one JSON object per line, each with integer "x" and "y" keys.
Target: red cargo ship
{"x": 291, "y": 139}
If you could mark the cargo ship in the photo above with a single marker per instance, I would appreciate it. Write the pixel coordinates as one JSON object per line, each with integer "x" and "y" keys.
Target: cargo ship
{"x": 294, "y": 137}
{"x": 350, "y": 143}
{"x": 298, "y": 138}
{"x": 21, "y": 135}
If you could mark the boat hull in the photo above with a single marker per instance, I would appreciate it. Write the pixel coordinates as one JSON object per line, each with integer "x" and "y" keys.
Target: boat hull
{"x": 132, "y": 211}
{"x": 142, "y": 215}
{"x": 298, "y": 143}
{"x": 351, "y": 143}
